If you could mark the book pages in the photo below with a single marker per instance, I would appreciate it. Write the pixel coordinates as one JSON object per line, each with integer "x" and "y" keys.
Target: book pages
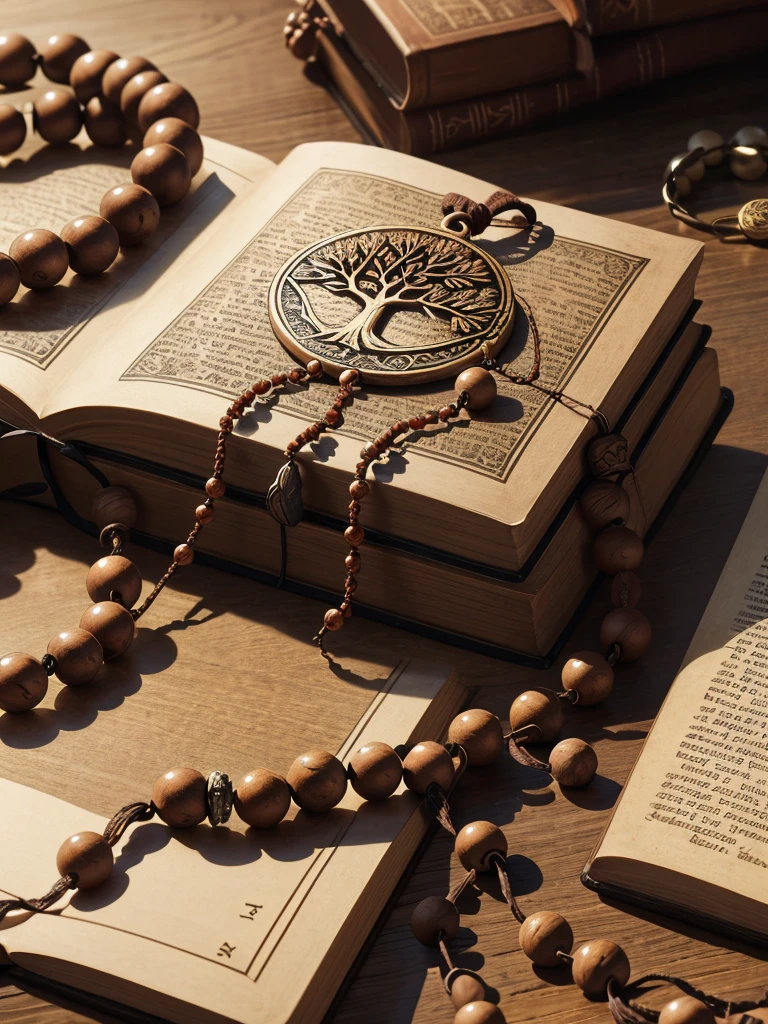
{"x": 697, "y": 799}
{"x": 248, "y": 925}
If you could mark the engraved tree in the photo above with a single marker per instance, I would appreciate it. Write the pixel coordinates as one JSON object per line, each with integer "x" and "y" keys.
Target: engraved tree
{"x": 387, "y": 271}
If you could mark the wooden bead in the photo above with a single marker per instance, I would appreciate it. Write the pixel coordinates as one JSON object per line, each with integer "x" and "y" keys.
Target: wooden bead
{"x": 13, "y": 129}
{"x": 480, "y": 386}
{"x": 348, "y": 378}
{"x": 747, "y": 163}
{"x": 359, "y": 489}
{"x": 262, "y": 798}
{"x": 178, "y": 133}
{"x": 539, "y": 709}
{"x": 604, "y": 502}
{"x": 87, "y": 855}
{"x": 426, "y": 763}
{"x": 17, "y": 60}
{"x": 78, "y": 656}
{"x": 617, "y": 549}
{"x": 595, "y": 963}
{"x": 480, "y": 1012}
{"x": 59, "y": 54}
{"x": 609, "y": 456}
{"x": 626, "y": 590}
{"x": 686, "y": 1010}
{"x": 204, "y": 514}
{"x": 23, "y": 682}
{"x": 215, "y": 487}
{"x": 92, "y": 245}
{"x": 481, "y": 735}
{"x": 113, "y": 505}
{"x": 134, "y": 91}
{"x": 354, "y": 534}
{"x": 434, "y": 918}
{"x": 693, "y": 172}
{"x": 750, "y": 135}
{"x": 164, "y": 171}
{"x": 168, "y": 99}
{"x": 353, "y": 561}
{"x": 9, "y": 279}
{"x": 543, "y": 935}
{"x": 104, "y": 123}
{"x": 314, "y": 367}
{"x": 628, "y": 628}
{"x": 589, "y": 675}
{"x": 180, "y": 797}
{"x": 114, "y": 574}
{"x": 317, "y": 780}
{"x": 183, "y": 554}
{"x": 466, "y": 988}
{"x": 41, "y": 258}
{"x": 333, "y": 619}
{"x": 87, "y": 72}
{"x": 477, "y": 842}
{"x": 132, "y": 211}
{"x": 112, "y": 625}
{"x": 375, "y": 771}
{"x": 707, "y": 139}
{"x": 119, "y": 73}
{"x": 573, "y": 763}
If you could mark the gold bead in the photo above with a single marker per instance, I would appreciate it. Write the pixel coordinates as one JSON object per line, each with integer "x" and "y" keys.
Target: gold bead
{"x": 87, "y": 855}
{"x": 707, "y": 139}
{"x": 543, "y": 935}
{"x": 747, "y": 163}
{"x": 480, "y": 733}
{"x": 92, "y": 244}
{"x": 41, "y": 258}
{"x": 23, "y": 682}
{"x": 78, "y": 656}
{"x": 318, "y": 781}
{"x": 164, "y": 171}
{"x": 476, "y": 844}
{"x": 180, "y": 797}
{"x": 573, "y": 763}
{"x": 426, "y": 763}
{"x": 433, "y": 918}
{"x": 262, "y": 798}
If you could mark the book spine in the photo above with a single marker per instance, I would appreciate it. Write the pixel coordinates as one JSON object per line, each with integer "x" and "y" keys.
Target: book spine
{"x": 620, "y": 65}
{"x": 607, "y": 17}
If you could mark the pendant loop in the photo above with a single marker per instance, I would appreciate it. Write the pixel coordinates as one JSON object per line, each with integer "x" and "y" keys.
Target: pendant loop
{"x": 449, "y": 222}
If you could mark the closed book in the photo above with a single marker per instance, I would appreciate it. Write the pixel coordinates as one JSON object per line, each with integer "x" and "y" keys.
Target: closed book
{"x": 604, "y": 17}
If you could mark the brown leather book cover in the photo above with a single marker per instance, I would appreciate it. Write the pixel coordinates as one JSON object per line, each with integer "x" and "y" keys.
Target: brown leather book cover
{"x": 621, "y": 63}
{"x": 605, "y": 17}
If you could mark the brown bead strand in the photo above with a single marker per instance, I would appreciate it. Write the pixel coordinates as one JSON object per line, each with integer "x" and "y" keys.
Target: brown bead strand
{"x": 332, "y": 418}
{"x": 106, "y": 91}
{"x": 359, "y": 489}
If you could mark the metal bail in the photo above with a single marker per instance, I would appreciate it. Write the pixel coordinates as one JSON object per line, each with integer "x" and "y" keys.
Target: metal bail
{"x": 219, "y": 798}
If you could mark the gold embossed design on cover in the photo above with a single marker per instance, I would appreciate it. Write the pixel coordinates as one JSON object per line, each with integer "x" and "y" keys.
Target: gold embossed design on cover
{"x": 402, "y": 305}
{"x": 753, "y": 219}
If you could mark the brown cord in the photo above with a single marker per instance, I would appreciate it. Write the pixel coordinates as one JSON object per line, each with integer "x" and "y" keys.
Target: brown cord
{"x": 625, "y": 1012}
{"x": 480, "y": 215}
{"x": 54, "y": 894}
{"x": 436, "y": 803}
{"x": 506, "y": 887}
{"x": 444, "y": 950}
{"x": 522, "y": 756}
{"x": 126, "y": 816}
{"x": 458, "y": 888}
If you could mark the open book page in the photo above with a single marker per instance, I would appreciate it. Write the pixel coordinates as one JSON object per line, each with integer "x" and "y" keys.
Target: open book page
{"x": 601, "y": 292}
{"x": 43, "y": 334}
{"x": 697, "y": 799}
{"x": 252, "y": 925}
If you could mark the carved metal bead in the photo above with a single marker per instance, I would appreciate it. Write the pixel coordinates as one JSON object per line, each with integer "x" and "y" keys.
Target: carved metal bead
{"x": 219, "y": 798}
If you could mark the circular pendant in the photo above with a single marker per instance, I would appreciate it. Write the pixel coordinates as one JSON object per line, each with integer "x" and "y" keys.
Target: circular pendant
{"x": 753, "y": 219}
{"x": 402, "y": 305}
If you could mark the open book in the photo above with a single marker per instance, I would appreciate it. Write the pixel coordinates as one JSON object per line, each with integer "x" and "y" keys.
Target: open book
{"x": 689, "y": 835}
{"x": 211, "y": 925}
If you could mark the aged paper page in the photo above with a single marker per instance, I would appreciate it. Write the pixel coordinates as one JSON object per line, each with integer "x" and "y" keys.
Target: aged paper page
{"x": 600, "y": 289}
{"x": 48, "y": 189}
{"x": 697, "y": 799}
{"x": 233, "y": 920}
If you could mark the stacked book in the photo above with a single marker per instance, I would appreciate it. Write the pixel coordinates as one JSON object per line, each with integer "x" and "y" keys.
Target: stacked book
{"x": 423, "y": 76}
{"x": 473, "y": 529}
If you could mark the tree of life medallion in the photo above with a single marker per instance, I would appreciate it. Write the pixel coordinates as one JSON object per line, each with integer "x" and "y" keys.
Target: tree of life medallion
{"x": 401, "y": 305}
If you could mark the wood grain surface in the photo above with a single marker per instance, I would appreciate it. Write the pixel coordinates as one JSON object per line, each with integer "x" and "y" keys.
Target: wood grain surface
{"x": 174, "y": 700}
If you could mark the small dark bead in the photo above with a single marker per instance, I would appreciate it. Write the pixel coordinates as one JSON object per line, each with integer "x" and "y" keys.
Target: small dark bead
{"x": 445, "y": 413}
{"x": 354, "y": 507}
{"x": 348, "y": 377}
{"x": 204, "y": 514}
{"x": 402, "y": 427}
{"x": 354, "y": 535}
{"x": 351, "y": 585}
{"x": 332, "y": 417}
{"x": 352, "y": 561}
{"x": 359, "y": 489}
{"x": 333, "y": 619}
{"x": 292, "y": 446}
{"x": 314, "y": 367}
{"x": 225, "y": 422}
{"x": 313, "y": 430}
{"x": 183, "y": 554}
{"x": 417, "y": 423}
{"x": 294, "y": 376}
{"x": 261, "y": 387}
{"x": 278, "y": 378}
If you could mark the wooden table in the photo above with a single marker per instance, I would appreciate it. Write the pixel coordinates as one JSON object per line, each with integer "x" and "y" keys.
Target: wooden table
{"x": 609, "y": 161}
